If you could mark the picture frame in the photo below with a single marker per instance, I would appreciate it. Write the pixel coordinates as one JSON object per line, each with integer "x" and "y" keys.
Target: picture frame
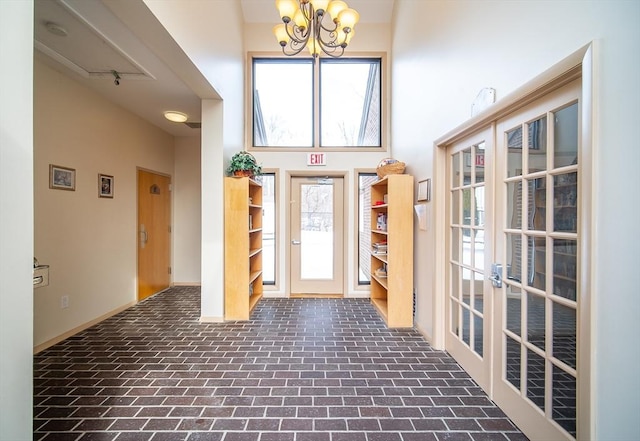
{"x": 62, "y": 178}
{"x": 105, "y": 186}
{"x": 424, "y": 190}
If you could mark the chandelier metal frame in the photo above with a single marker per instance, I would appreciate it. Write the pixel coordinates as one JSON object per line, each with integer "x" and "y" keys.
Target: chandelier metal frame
{"x": 305, "y": 26}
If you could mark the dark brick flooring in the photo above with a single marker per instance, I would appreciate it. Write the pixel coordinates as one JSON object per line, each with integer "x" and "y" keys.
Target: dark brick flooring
{"x": 300, "y": 370}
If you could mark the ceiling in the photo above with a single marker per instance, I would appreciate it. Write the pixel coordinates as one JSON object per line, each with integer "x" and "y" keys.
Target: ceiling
{"x": 92, "y": 41}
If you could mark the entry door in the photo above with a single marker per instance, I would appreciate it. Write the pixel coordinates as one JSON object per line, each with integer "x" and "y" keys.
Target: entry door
{"x": 469, "y": 305}
{"x": 316, "y": 225}
{"x": 154, "y": 233}
{"x": 535, "y": 371}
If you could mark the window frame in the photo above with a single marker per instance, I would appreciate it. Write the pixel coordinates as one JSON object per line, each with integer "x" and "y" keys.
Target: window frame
{"x": 384, "y": 106}
{"x": 275, "y": 286}
{"x": 357, "y": 173}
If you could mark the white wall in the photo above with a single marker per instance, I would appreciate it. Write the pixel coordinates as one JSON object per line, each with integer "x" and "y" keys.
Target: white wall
{"x": 186, "y": 211}
{"x": 16, "y": 220}
{"x": 444, "y": 52}
{"x": 89, "y": 242}
{"x": 215, "y": 46}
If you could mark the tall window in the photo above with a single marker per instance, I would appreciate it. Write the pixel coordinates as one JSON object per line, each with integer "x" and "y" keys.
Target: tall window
{"x": 364, "y": 226}
{"x": 343, "y": 111}
{"x": 269, "y": 228}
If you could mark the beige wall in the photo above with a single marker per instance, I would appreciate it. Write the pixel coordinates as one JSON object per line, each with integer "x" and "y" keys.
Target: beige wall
{"x": 444, "y": 53}
{"x": 89, "y": 242}
{"x": 187, "y": 212}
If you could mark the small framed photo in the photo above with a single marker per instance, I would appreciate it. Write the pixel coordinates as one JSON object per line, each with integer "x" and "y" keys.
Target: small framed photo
{"x": 105, "y": 186}
{"x": 62, "y": 178}
{"x": 424, "y": 190}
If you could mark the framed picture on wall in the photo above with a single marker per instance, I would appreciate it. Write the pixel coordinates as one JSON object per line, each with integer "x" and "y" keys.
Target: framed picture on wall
{"x": 424, "y": 190}
{"x": 62, "y": 178}
{"x": 105, "y": 186}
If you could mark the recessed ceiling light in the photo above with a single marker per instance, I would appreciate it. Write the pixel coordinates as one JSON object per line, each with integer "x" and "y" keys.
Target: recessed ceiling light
{"x": 174, "y": 116}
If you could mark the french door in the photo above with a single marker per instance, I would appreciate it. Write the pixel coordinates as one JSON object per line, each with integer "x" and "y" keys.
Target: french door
{"x": 317, "y": 227}
{"x": 470, "y": 250}
{"x": 513, "y": 297}
{"x": 537, "y": 235}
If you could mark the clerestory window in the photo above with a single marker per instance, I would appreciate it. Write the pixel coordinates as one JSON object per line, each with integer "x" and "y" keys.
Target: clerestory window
{"x": 331, "y": 103}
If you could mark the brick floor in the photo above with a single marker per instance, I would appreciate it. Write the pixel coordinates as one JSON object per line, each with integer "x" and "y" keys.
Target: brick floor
{"x": 299, "y": 370}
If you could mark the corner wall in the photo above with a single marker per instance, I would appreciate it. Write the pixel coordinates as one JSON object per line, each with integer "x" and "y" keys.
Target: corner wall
{"x": 16, "y": 220}
{"x": 89, "y": 242}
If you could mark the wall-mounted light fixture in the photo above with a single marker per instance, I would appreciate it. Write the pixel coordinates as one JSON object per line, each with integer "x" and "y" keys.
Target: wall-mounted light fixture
{"x": 175, "y": 116}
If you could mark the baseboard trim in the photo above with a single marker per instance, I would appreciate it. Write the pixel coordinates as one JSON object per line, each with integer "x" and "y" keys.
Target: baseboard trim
{"x": 211, "y": 319}
{"x": 74, "y": 331}
{"x": 187, "y": 284}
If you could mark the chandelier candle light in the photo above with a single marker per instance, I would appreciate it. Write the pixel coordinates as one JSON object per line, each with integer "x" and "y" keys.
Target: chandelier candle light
{"x": 319, "y": 25}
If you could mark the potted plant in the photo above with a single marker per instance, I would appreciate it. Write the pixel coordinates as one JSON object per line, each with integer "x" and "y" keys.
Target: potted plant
{"x": 244, "y": 164}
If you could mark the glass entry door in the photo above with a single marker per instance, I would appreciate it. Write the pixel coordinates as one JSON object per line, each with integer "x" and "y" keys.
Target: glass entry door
{"x": 316, "y": 225}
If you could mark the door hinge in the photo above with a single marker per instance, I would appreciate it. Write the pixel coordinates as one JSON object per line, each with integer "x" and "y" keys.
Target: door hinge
{"x": 169, "y": 270}
{"x": 169, "y": 228}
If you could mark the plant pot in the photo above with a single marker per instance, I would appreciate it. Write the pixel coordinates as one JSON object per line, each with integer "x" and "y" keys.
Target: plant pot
{"x": 243, "y": 173}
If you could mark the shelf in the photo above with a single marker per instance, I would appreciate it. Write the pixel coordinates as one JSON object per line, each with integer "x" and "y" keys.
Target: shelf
{"x": 253, "y": 301}
{"x": 381, "y": 257}
{"x": 255, "y": 206}
{"x": 377, "y": 207}
{"x": 254, "y": 275}
{"x": 380, "y": 280}
{"x": 380, "y": 232}
{"x": 382, "y": 307}
{"x": 255, "y": 230}
{"x": 254, "y": 252}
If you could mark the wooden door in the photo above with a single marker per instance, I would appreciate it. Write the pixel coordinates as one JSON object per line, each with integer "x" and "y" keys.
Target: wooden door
{"x": 154, "y": 233}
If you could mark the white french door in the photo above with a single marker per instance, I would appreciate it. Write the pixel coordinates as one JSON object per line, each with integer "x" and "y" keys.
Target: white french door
{"x": 470, "y": 250}
{"x": 513, "y": 293}
{"x": 535, "y": 373}
{"x": 316, "y": 225}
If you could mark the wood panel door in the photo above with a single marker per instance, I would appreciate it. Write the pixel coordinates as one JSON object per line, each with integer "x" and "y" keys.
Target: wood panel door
{"x": 154, "y": 233}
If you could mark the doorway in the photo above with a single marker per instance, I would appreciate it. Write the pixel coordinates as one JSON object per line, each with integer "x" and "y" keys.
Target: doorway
{"x": 154, "y": 233}
{"x": 316, "y": 225}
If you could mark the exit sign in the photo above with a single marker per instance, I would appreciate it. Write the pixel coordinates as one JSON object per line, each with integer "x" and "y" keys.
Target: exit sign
{"x": 316, "y": 159}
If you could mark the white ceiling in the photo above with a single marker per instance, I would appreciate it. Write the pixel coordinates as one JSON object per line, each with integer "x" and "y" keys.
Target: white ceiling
{"x": 100, "y": 39}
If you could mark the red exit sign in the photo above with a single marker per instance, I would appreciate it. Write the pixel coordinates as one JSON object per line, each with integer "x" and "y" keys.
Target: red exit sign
{"x": 316, "y": 159}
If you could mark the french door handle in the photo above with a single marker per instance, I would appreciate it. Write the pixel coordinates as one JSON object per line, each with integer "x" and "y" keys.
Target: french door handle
{"x": 295, "y": 242}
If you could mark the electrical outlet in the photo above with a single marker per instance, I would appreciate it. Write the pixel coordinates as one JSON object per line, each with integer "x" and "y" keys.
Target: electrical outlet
{"x": 64, "y": 302}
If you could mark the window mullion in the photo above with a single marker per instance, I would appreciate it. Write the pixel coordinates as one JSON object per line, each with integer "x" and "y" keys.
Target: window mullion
{"x": 316, "y": 104}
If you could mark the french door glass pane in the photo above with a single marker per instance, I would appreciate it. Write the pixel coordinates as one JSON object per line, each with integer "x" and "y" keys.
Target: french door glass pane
{"x": 514, "y": 158}
{"x": 279, "y": 122}
{"x": 564, "y": 334}
{"x": 536, "y": 320}
{"x": 537, "y": 131}
{"x": 565, "y": 136}
{"x": 514, "y": 205}
{"x": 535, "y": 378}
{"x": 350, "y": 103}
{"x": 316, "y": 232}
{"x": 564, "y": 400}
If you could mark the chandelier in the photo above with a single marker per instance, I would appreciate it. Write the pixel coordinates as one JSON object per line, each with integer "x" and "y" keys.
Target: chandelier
{"x": 322, "y": 26}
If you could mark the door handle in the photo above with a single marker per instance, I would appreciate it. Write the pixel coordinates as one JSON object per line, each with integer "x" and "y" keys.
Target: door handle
{"x": 144, "y": 238}
{"x": 496, "y": 275}
{"x": 295, "y": 242}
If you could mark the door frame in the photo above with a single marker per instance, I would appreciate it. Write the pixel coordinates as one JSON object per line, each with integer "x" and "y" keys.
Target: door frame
{"x": 137, "y": 232}
{"x": 290, "y": 174}
{"x": 579, "y": 64}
